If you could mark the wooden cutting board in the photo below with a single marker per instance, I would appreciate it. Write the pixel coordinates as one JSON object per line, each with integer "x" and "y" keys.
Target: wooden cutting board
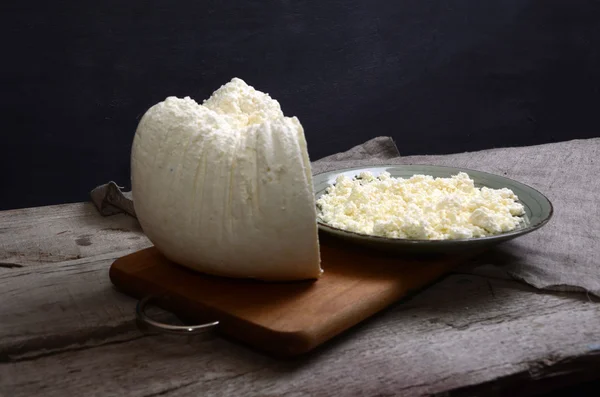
{"x": 289, "y": 318}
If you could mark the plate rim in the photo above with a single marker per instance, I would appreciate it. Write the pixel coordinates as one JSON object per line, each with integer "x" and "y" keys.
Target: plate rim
{"x": 396, "y": 240}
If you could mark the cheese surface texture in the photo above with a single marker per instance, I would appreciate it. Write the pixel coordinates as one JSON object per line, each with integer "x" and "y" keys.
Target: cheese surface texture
{"x": 420, "y": 207}
{"x": 225, "y": 187}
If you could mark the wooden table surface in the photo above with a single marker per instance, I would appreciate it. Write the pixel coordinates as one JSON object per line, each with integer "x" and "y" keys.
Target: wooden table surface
{"x": 65, "y": 331}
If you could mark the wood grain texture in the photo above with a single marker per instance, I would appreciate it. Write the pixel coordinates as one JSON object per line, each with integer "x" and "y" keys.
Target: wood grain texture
{"x": 427, "y": 345}
{"x": 290, "y": 318}
{"x": 66, "y": 330}
{"x": 42, "y": 235}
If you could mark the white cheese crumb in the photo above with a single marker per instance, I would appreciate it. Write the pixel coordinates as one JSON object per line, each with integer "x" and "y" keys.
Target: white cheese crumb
{"x": 420, "y": 207}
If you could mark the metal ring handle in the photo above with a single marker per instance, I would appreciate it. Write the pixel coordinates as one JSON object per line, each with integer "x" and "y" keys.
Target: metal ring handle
{"x": 168, "y": 328}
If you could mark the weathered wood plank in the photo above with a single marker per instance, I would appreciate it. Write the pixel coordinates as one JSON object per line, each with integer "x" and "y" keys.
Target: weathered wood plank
{"x": 70, "y": 332}
{"x": 64, "y": 329}
{"x": 41, "y": 235}
{"x": 59, "y": 305}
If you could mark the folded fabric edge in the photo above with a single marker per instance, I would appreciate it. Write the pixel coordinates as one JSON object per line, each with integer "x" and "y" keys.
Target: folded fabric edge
{"x": 553, "y": 287}
{"x": 109, "y": 199}
{"x": 382, "y": 147}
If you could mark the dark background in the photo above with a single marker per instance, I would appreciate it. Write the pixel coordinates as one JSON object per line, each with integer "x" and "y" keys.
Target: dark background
{"x": 438, "y": 76}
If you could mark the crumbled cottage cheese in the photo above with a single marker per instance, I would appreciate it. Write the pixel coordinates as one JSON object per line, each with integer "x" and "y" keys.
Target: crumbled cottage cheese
{"x": 420, "y": 207}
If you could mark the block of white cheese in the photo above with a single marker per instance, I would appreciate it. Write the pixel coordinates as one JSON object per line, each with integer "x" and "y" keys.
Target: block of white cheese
{"x": 225, "y": 187}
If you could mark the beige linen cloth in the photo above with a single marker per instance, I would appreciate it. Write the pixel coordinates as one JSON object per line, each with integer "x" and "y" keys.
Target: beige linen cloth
{"x": 563, "y": 255}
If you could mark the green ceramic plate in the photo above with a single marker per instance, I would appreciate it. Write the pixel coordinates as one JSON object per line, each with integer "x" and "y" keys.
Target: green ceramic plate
{"x": 538, "y": 209}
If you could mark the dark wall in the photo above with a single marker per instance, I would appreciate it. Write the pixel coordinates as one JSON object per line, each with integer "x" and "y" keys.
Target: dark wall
{"x": 439, "y": 76}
